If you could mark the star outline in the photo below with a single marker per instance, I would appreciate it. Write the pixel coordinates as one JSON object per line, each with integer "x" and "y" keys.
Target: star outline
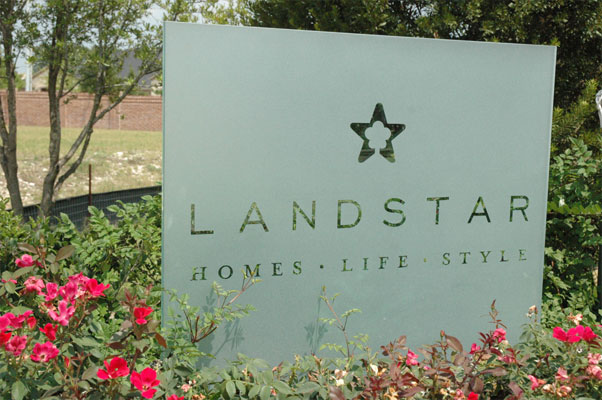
{"x": 360, "y": 129}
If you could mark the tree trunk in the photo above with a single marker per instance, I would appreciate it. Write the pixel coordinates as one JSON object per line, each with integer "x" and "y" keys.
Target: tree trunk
{"x": 8, "y": 152}
{"x": 54, "y": 145}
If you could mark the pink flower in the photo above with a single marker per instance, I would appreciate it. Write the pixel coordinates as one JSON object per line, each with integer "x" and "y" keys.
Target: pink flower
{"x": 459, "y": 395}
{"x": 116, "y": 368}
{"x": 474, "y": 348}
{"x": 473, "y": 396}
{"x": 65, "y": 313}
{"x": 594, "y": 358}
{"x": 51, "y": 291}
{"x": 144, "y": 382}
{"x": 140, "y": 313}
{"x": 79, "y": 279}
{"x": 70, "y": 291}
{"x": 508, "y": 359}
{"x": 49, "y": 330}
{"x": 499, "y": 334}
{"x": 15, "y": 322}
{"x": 562, "y": 375}
{"x": 25, "y": 261}
{"x": 16, "y": 345}
{"x": 564, "y": 391}
{"x": 186, "y": 387}
{"x": 10, "y": 280}
{"x": 535, "y": 383}
{"x": 412, "y": 358}
{"x": 96, "y": 289}
{"x": 175, "y": 397}
{"x": 34, "y": 284}
{"x": 595, "y": 371}
{"x": 44, "y": 352}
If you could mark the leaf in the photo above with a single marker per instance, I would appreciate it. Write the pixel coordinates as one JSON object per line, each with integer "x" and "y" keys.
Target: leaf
{"x": 308, "y": 387}
{"x": 516, "y": 390}
{"x": 10, "y": 287}
{"x": 161, "y": 340}
{"x": 230, "y": 389}
{"x": 21, "y": 272}
{"x": 85, "y": 341}
{"x": 497, "y": 371}
{"x": 411, "y": 392}
{"x": 27, "y": 247}
{"x": 454, "y": 343}
{"x": 254, "y": 391}
{"x": 116, "y": 345}
{"x": 265, "y": 392}
{"x": 477, "y": 384}
{"x": 126, "y": 325}
{"x": 334, "y": 393}
{"x": 90, "y": 373}
{"x": 65, "y": 252}
{"x": 19, "y": 390}
{"x": 282, "y": 387}
{"x": 152, "y": 325}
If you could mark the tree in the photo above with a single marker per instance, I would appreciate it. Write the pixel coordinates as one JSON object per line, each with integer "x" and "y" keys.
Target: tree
{"x": 87, "y": 39}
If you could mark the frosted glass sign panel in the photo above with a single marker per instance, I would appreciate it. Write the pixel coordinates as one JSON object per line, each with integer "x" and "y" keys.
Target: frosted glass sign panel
{"x": 408, "y": 175}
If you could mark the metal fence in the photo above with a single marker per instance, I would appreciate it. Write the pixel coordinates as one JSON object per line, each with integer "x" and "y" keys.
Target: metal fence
{"x": 77, "y": 207}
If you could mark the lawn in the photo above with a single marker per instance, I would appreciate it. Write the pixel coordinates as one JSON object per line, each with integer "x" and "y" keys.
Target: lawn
{"x": 119, "y": 160}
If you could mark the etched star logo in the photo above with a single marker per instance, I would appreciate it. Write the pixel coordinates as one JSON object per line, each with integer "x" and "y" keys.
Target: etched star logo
{"x": 360, "y": 129}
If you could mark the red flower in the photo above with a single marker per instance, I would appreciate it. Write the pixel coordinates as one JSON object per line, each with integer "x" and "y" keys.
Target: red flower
{"x": 116, "y": 368}
{"x": 25, "y": 261}
{"x": 31, "y": 322}
{"x": 96, "y": 289}
{"x": 473, "y": 396}
{"x": 175, "y": 397}
{"x": 5, "y": 337}
{"x": 588, "y": 335}
{"x": 563, "y": 336}
{"x": 140, "y": 313}
{"x": 575, "y": 334}
{"x": 50, "y": 331}
{"x": 144, "y": 382}
{"x": 44, "y": 352}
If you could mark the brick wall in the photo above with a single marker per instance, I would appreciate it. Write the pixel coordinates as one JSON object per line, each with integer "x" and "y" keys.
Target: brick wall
{"x": 137, "y": 113}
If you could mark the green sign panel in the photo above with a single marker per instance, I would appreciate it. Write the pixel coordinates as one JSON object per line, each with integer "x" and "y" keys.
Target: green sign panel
{"x": 408, "y": 175}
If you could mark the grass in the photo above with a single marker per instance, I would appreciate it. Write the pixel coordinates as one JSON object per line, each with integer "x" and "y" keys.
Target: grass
{"x": 119, "y": 160}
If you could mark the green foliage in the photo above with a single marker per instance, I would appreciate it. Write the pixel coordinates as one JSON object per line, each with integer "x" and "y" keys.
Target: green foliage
{"x": 574, "y": 222}
{"x": 130, "y": 248}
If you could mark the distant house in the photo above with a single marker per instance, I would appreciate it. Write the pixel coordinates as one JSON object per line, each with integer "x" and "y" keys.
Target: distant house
{"x": 150, "y": 84}
{"x": 39, "y": 80}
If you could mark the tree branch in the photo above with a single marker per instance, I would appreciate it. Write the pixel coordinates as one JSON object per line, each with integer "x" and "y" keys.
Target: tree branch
{"x": 73, "y": 167}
